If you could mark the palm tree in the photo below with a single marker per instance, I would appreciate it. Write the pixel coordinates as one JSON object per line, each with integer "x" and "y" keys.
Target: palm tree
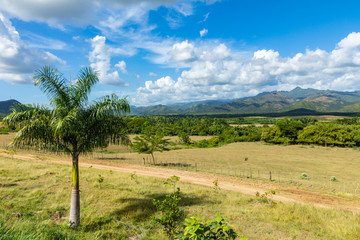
{"x": 71, "y": 125}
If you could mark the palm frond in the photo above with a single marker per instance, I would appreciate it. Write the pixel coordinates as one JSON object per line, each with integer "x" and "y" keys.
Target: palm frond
{"x": 86, "y": 79}
{"x": 52, "y": 82}
{"x": 109, "y": 105}
{"x": 22, "y": 113}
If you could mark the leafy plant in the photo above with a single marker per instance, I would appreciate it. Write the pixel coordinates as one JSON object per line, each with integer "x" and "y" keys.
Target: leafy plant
{"x": 217, "y": 229}
{"x": 216, "y": 185}
{"x": 267, "y": 197}
{"x": 133, "y": 177}
{"x": 172, "y": 181}
{"x": 171, "y": 214}
{"x": 150, "y": 142}
{"x": 304, "y": 175}
{"x": 333, "y": 179}
{"x": 100, "y": 180}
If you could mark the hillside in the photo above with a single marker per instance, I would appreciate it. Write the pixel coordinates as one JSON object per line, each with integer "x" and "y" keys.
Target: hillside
{"x": 297, "y": 100}
{"x": 5, "y": 106}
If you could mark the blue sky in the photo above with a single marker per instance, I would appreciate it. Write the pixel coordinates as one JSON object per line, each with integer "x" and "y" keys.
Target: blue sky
{"x": 169, "y": 51}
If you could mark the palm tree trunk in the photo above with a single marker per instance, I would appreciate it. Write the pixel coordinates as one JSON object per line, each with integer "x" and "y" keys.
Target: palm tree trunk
{"x": 74, "y": 218}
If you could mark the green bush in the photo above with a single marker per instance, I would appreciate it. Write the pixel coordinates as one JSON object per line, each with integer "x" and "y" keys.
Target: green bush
{"x": 216, "y": 229}
{"x": 333, "y": 179}
{"x": 304, "y": 175}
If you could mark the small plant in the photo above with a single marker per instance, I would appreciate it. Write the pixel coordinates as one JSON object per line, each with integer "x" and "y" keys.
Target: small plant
{"x": 133, "y": 177}
{"x": 216, "y": 185}
{"x": 100, "y": 180}
{"x": 267, "y": 197}
{"x": 333, "y": 179}
{"x": 304, "y": 175}
{"x": 172, "y": 181}
{"x": 216, "y": 229}
{"x": 172, "y": 214}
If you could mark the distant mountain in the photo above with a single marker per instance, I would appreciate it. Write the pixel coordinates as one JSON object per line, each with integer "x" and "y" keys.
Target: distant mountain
{"x": 6, "y": 105}
{"x": 295, "y": 101}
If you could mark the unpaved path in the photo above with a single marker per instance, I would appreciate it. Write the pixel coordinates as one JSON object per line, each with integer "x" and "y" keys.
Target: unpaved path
{"x": 285, "y": 194}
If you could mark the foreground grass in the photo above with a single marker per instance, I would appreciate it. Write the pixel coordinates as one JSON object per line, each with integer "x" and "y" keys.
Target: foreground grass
{"x": 34, "y": 204}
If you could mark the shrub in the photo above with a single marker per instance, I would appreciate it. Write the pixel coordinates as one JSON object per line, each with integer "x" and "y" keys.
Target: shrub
{"x": 333, "y": 179}
{"x": 172, "y": 214}
{"x": 216, "y": 229}
{"x": 304, "y": 175}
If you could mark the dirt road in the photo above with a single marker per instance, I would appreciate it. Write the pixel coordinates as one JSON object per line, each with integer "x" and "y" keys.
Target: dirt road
{"x": 248, "y": 187}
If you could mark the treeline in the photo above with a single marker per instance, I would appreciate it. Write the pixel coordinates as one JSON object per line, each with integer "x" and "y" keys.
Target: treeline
{"x": 305, "y": 130}
{"x": 341, "y": 132}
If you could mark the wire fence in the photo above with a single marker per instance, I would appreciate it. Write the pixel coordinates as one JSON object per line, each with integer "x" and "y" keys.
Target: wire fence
{"x": 312, "y": 182}
{"x": 299, "y": 179}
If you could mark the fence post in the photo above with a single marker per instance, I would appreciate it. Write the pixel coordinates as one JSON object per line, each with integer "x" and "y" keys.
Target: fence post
{"x": 195, "y": 167}
{"x": 270, "y": 176}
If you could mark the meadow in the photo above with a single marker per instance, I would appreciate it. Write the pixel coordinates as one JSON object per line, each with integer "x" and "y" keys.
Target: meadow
{"x": 34, "y": 204}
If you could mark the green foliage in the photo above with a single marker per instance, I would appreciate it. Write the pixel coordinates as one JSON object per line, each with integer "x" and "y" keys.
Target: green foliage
{"x": 184, "y": 138}
{"x": 133, "y": 177}
{"x": 267, "y": 197}
{"x": 172, "y": 181}
{"x": 171, "y": 214}
{"x": 217, "y": 229}
{"x": 304, "y": 175}
{"x": 216, "y": 185}
{"x": 100, "y": 180}
{"x": 150, "y": 142}
{"x": 72, "y": 125}
{"x": 331, "y": 134}
{"x": 284, "y": 131}
{"x": 333, "y": 179}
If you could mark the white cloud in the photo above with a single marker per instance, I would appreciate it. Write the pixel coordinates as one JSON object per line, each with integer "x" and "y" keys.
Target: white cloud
{"x": 218, "y": 72}
{"x": 18, "y": 61}
{"x": 122, "y": 66}
{"x": 115, "y": 13}
{"x": 152, "y": 74}
{"x": 183, "y": 51}
{"x": 203, "y": 32}
{"x": 100, "y": 58}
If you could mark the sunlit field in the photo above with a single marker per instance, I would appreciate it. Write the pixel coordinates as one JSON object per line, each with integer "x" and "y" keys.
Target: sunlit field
{"x": 34, "y": 204}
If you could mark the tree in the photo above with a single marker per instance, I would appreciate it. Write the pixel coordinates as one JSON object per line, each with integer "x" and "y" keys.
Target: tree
{"x": 149, "y": 142}
{"x": 72, "y": 125}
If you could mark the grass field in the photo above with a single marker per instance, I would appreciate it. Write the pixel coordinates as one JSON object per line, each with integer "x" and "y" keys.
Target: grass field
{"x": 34, "y": 204}
{"x": 286, "y": 163}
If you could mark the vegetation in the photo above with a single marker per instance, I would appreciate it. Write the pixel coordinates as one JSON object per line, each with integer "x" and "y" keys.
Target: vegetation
{"x": 72, "y": 125}
{"x": 150, "y": 142}
{"x": 36, "y": 193}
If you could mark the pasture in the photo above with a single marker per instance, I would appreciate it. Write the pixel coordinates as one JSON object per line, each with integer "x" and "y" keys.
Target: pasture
{"x": 34, "y": 204}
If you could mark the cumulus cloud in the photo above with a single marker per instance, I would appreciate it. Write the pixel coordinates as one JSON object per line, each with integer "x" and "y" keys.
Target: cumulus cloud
{"x": 100, "y": 58}
{"x": 183, "y": 51}
{"x": 203, "y": 32}
{"x": 122, "y": 66}
{"x": 17, "y": 59}
{"x": 218, "y": 72}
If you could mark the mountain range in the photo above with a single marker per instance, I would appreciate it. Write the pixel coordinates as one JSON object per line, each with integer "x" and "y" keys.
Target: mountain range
{"x": 295, "y": 102}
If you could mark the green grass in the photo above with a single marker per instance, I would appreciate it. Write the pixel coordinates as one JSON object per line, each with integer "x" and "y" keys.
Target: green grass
{"x": 122, "y": 209}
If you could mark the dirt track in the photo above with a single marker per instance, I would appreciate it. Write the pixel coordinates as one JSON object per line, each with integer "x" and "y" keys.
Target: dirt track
{"x": 285, "y": 194}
